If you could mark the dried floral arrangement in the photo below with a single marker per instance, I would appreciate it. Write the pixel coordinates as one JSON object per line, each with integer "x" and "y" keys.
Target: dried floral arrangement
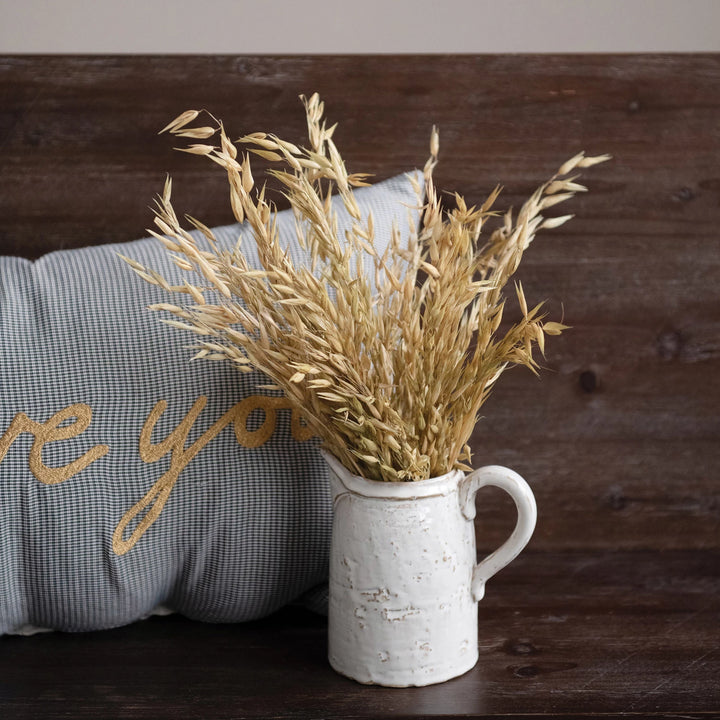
{"x": 391, "y": 371}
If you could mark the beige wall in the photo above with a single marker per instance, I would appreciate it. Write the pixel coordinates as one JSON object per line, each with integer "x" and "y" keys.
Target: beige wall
{"x": 361, "y": 26}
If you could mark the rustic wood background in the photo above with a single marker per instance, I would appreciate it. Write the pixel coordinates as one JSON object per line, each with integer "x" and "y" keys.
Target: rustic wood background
{"x": 619, "y": 437}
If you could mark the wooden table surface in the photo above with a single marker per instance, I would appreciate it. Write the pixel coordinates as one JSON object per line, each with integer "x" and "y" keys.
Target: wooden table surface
{"x": 614, "y": 608}
{"x": 561, "y": 634}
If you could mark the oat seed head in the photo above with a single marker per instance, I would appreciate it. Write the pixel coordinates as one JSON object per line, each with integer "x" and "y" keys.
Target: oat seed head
{"x": 391, "y": 375}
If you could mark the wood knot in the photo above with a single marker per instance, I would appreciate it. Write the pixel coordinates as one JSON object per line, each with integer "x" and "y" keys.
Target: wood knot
{"x": 684, "y": 194}
{"x": 526, "y": 671}
{"x": 616, "y": 498}
{"x": 669, "y": 344}
{"x": 588, "y": 381}
{"x": 531, "y": 671}
{"x": 520, "y": 647}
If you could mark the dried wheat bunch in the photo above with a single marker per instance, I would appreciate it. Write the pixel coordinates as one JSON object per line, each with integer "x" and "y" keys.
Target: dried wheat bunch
{"x": 391, "y": 371}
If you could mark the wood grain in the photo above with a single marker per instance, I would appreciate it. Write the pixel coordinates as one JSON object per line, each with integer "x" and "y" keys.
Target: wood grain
{"x": 628, "y": 408}
{"x": 561, "y": 635}
{"x": 613, "y": 610}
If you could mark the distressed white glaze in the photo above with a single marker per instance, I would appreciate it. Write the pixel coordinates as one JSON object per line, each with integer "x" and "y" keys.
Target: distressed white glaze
{"x": 404, "y": 582}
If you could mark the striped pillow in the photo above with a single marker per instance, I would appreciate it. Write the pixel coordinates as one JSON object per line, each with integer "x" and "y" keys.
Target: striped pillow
{"x": 132, "y": 479}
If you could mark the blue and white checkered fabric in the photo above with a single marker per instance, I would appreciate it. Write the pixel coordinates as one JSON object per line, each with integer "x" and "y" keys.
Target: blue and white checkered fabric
{"x": 244, "y": 530}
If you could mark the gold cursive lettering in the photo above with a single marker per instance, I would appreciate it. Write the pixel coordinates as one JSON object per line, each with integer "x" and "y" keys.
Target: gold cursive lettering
{"x": 50, "y": 432}
{"x": 75, "y": 419}
{"x": 153, "y": 502}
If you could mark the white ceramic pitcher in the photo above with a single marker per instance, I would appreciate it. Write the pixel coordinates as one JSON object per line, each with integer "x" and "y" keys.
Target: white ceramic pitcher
{"x": 404, "y": 580}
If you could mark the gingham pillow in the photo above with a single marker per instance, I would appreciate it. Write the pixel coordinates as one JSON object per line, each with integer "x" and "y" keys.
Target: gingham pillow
{"x": 131, "y": 478}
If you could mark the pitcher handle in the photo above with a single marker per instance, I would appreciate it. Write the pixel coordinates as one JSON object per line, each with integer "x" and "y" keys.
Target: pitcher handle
{"x": 509, "y": 481}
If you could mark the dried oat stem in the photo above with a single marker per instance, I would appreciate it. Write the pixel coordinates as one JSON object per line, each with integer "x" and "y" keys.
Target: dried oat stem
{"x": 389, "y": 371}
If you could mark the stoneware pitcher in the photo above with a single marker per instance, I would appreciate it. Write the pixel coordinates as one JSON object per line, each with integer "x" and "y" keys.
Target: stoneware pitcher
{"x": 404, "y": 579}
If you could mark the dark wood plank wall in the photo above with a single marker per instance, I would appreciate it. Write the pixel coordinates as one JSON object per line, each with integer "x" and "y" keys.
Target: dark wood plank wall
{"x": 619, "y": 437}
